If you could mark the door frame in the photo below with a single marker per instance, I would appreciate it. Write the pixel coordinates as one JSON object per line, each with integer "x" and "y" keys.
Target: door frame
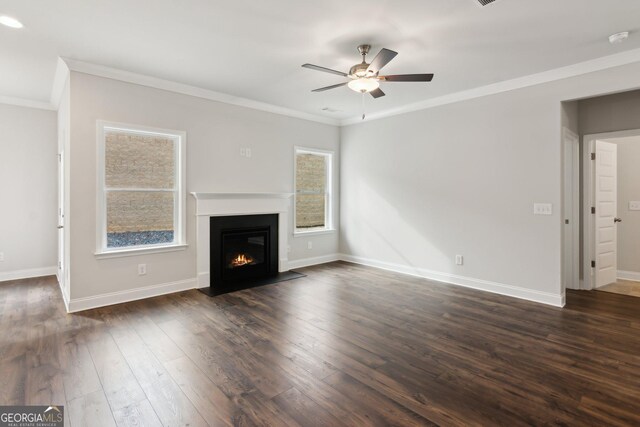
{"x": 571, "y": 188}
{"x": 589, "y": 225}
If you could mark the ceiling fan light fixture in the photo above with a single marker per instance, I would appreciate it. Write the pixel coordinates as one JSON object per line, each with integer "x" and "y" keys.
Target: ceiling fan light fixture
{"x": 364, "y": 85}
{"x": 10, "y": 22}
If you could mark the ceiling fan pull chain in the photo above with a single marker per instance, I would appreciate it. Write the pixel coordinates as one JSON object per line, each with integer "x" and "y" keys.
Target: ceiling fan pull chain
{"x": 363, "y": 113}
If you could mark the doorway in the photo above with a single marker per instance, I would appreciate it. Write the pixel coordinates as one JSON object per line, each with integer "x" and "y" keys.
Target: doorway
{"x": 611, "y": 208}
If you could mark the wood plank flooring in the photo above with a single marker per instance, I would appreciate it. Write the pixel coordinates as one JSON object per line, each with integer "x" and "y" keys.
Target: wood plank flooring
{"x": 346, "y": 345}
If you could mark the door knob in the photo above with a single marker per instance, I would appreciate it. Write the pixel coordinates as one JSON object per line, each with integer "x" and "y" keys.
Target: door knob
{"x": 60, "y": 226}
{"x": 617, "y": 220}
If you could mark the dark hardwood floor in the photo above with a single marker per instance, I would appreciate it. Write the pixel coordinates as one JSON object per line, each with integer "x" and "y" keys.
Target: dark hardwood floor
{"x": 346, "y": 345}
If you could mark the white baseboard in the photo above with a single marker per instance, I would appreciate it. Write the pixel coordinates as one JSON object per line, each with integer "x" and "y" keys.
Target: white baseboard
{"x": 26, "y": 274}
{"x": 306, "y": 262}
{"x": 629, "y": 275}
{"x": 557, "y": 300}
{"x": 80, "y": 304}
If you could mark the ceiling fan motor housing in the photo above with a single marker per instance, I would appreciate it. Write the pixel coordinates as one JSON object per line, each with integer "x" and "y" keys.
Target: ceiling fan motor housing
{"x": 361, "y": 70}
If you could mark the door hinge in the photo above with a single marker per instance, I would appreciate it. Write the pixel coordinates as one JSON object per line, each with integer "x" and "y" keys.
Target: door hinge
{"x": 593, "y": 264}
{"x": 593, "y": 156}
{"x": 593, "y": 209}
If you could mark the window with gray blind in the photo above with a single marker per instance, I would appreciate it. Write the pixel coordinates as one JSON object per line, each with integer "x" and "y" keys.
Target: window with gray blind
{"x": 141, "y": 196}
{"x": 312, "y": 190}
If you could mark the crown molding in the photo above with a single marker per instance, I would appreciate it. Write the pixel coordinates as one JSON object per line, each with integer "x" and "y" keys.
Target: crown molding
{"x": 580, "y": 68}
{"x": 65, "y": 65}
{"x": 29, "y": 103}
{"x": 157, "y": 83}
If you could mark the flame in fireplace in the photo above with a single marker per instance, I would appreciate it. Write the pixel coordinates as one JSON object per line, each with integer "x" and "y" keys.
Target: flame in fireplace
{"x": 240, "y": 260}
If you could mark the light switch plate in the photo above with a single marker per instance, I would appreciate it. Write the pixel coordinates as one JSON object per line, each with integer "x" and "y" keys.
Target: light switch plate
{"x": 634, "y": 206}
{"x": 542, "y": 209}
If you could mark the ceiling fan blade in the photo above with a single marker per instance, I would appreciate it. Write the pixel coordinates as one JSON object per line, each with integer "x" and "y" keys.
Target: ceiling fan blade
{"x": 377, "y": 93}
{"x": 326, "y": 70}
{"x": 382, "y": 58}
{"x": 322, "y": 89}
{"x": 408, "y": 78}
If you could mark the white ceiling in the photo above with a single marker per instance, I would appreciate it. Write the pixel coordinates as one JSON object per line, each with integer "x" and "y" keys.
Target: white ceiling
{"x": 254, "y": 49}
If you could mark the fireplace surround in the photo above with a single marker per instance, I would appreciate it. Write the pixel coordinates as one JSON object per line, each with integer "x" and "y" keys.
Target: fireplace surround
{"x": 208, "y": 205}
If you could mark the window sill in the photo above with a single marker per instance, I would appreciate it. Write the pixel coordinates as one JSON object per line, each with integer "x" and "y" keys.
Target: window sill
{"x": 139, "y": 251}
{"x": 313, "y": 232}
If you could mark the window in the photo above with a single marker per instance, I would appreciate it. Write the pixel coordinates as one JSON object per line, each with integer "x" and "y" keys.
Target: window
{"x": 141, "y": 188}
{"x": 312, "y": 190}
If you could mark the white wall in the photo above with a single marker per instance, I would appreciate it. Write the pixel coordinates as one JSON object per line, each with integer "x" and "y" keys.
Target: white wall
{"x": 215, "y": 133}
{"x": 28, "y": 192}
{"x": 628, "y": 190}
{"x": 419, "y": 188}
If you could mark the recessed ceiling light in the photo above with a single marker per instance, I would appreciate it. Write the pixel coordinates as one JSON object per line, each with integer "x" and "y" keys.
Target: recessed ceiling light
{"x": 619, "y": 37}
{"x": 10, "y": 22}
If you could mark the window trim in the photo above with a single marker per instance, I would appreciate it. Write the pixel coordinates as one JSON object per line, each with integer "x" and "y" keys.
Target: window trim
{"x": 179, "y": 220}
{"x": 328, "y": 208}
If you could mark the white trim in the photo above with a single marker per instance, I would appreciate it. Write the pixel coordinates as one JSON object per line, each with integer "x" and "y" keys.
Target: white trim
{"x": 634, "y": 276}
{"x": 572, "y": 252}
{"x": 307, "y": 262}
{"x": 80, "y": 304}
{"x": 59, "y": 80}
{"x": 65, "y": 299}
{"x": 157, "y": 83}
{"x": 557, "y": 300}
{"x": 211, "y": 196}
{"x": 179, "y": 219}
{"x": 28, "y": 103}
{"x": 28, "y": 273}
{"x": 328, "y": 197}
{"x": 139, "y": 250}
{"x": 573, "y": 70}
{"x": 314, "y": 232}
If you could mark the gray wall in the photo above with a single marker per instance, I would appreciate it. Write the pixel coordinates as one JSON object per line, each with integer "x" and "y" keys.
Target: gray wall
{"x": 419, "y": 188}
{"x": 215, "y": 134}
{"x": 628, "y": 190}
{"x": 28, "y": 189}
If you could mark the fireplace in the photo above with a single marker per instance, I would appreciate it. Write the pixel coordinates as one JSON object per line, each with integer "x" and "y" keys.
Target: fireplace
{"x": 244, "y": 248}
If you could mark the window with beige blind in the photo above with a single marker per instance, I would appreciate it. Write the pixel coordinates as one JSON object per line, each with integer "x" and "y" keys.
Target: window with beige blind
{"x": 141, "y": 188}
{"x": 312, "y": 190}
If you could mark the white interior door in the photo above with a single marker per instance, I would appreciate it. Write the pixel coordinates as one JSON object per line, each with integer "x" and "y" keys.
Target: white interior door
{"x": 606, "y": 204}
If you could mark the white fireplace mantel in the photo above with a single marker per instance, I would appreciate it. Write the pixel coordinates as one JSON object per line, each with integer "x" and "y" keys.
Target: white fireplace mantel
{"x": 224, "y": 204}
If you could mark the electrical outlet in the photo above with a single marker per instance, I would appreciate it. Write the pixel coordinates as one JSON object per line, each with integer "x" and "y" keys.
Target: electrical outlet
{"x": 542, "y": 209}
{"x": 459, "y": 259}
{"x": 634, "y": 206}
{"x": 1, "y": 256}
{"x": 142, "y": 269}
{"x": 248, "y": 151}
{"x": 309, "y": 245}
{"x": 243, "y": 152}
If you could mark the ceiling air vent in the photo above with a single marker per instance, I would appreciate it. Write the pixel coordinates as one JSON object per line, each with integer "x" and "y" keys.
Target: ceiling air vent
{"x": 485, "y": 2}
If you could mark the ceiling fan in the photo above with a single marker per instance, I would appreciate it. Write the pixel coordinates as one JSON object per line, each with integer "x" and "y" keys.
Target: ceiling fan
{"x": 364, "y": 77}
